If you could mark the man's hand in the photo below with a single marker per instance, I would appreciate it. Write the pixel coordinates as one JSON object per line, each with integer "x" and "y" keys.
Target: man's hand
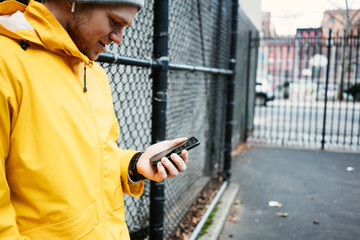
{"x": 165, "y": 168}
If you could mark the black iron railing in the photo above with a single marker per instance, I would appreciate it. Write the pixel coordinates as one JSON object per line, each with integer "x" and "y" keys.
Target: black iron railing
{"x": 316, "y": 85}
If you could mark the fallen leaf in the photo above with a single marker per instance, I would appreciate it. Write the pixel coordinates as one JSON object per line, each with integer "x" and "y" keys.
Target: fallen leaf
{"x": 282, "y": 214}
{"x": 232, "y": 219}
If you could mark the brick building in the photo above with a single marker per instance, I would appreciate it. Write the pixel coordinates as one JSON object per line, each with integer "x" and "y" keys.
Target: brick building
{"x": 308, "y": 46}
{"x": 336, "y": 20}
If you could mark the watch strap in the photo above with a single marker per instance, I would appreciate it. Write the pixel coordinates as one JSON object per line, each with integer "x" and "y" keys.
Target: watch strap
{"x": 134, "y": 174}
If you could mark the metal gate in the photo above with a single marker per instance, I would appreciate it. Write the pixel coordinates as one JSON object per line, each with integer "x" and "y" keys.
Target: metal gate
{"x": 308, "y": 92}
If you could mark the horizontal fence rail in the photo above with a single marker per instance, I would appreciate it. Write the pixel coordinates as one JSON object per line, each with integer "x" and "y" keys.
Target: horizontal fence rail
{"x": 113, "y": 58}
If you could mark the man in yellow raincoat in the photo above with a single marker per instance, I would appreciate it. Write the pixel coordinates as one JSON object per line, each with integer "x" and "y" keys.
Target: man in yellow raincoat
{"x": 62, "y": 175}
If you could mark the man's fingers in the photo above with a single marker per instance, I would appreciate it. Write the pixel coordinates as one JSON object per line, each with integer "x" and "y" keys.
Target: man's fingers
{"x": 179, "y": 162}
{"x": 162, "y": 172}
{"x": 185, "y": 156}
{"x": 170, "y": 167}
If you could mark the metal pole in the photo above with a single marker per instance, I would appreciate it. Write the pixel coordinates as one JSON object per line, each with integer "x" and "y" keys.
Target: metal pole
{"x": 326, "y": 89}
{"x": 160, "y": 81}
{"x": 248, "y": 67}
{"x": 230, "y": 94}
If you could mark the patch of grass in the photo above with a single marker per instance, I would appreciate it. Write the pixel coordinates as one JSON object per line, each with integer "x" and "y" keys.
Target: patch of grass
{"x": 209, "y": 222}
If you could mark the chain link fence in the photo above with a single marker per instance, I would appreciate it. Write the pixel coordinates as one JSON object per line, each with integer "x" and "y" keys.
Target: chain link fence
{"x": 196, "y": 100}
{"x": 199, "y": 35}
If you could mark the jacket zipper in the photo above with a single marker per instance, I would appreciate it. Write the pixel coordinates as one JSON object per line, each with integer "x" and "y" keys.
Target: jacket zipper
{"x": 85, "y": 89}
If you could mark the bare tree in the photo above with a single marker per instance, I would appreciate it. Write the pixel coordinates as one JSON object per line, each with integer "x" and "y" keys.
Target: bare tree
{"x": 346, "y": 22}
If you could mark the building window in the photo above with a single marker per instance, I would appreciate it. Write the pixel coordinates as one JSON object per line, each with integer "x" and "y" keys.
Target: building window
{"x": 288, "y": 60}
{"x": 287, "y": 73}
{"x": 271, "y": 60}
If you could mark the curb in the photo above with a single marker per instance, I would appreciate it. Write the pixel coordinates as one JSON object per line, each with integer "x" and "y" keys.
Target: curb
{"x": 224, "y": 206}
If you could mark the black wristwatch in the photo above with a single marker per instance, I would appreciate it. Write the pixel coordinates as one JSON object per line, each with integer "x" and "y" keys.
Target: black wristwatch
{"x": 134, "y": 174}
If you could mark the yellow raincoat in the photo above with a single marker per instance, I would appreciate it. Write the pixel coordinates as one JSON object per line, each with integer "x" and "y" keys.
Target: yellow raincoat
{"x": 62, "y": 175}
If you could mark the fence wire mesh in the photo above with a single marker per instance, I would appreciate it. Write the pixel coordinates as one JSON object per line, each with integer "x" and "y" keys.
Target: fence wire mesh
{"x": 199, "y": 34}
{"x": 195, "y": 27}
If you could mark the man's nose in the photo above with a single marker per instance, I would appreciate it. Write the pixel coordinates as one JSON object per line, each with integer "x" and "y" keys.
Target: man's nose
{"x": 116, "y": 36}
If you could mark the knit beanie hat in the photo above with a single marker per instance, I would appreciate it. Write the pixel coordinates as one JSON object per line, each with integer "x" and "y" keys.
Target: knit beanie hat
{"x": 138, "y": 3}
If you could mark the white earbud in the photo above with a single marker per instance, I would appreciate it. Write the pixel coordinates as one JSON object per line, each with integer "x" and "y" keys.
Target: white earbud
{"x": 73, "y": 7}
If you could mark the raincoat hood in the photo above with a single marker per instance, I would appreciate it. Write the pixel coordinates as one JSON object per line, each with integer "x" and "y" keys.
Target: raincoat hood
{"x": 34, "y": 24}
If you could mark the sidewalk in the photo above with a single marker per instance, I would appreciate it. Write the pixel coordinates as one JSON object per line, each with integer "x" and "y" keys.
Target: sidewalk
{"x": 318, "y": 195}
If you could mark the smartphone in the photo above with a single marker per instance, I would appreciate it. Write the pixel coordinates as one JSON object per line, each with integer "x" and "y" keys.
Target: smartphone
{"x": 185, "y": 145}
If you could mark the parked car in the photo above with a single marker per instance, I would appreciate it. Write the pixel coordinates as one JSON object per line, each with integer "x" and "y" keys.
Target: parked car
{"x": 264, "y": 92}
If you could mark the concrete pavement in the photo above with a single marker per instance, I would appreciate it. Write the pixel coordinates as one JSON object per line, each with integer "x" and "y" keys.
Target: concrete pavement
{"x": 318, "y": 195}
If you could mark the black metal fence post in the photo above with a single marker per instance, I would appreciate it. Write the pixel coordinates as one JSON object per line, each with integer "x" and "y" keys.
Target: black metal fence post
{"x": 248, "y": 67}
{"x": 326, "y": 89}
{"x": 160, "y": 81}
{"x": 230, "y": 93}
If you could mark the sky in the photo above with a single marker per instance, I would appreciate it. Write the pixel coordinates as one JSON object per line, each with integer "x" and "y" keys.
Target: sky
{"x": 287, "y": 15}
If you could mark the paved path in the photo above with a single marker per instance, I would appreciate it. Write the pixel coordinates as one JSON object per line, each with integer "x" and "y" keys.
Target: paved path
{"x": 319, "y": 191}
